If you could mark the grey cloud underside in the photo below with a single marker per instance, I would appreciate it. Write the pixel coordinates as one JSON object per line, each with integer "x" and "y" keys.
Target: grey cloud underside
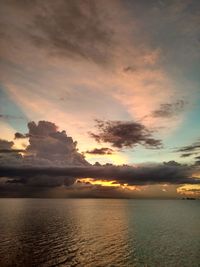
{"x": 43, "y": 181}
{"x": 124, "y": 134}
{"x": 158, "y": 174}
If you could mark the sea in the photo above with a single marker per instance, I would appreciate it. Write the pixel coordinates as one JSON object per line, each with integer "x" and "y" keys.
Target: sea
{"x": 99, "y": 232}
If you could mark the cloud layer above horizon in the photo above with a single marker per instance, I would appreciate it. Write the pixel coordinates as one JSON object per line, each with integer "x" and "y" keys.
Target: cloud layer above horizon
{"x": 51, "y": 160}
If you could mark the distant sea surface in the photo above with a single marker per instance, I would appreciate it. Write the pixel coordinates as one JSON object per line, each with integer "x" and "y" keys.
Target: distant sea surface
{"x": 99, "y": 232}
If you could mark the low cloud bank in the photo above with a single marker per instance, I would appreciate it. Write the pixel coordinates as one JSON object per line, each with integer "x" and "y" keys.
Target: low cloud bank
{"x": 156, "y": 174}
{"x": 52, "y": 159}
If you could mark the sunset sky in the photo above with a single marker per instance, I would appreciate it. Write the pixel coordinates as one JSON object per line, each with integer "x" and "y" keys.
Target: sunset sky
{"x": 120, "y": 77}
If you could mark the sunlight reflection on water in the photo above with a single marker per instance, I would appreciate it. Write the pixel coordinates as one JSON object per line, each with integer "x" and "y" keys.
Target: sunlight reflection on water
{"x": 99, "y": 232}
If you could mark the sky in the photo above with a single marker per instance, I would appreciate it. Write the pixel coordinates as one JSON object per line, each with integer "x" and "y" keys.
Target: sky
{"x": 103, "y": 94}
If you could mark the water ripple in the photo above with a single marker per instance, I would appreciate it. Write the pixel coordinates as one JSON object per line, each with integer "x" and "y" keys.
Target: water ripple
{"x": 99, "y": 233}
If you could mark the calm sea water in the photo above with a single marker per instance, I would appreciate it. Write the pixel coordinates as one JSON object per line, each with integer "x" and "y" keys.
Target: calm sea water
{"x": 99, "y": 232}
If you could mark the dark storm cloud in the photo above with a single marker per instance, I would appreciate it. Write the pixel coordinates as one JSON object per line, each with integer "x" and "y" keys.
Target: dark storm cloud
{"x": 72, "y": 28}
{"x": 124, "y": 134}
{"x": 168, "y": 172}
{"x": 101, "y": 151}
{"x": 168, "y": 110}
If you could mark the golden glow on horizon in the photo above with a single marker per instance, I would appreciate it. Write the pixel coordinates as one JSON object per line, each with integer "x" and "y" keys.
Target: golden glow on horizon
{"x": 196, "y": 175}
{"x": 189, "y": 190}
{"x": 117, "y": 159}
{"x": 19, "y": 144}
{"x": 7, "y": 131}
{"x": 112, "y": 183}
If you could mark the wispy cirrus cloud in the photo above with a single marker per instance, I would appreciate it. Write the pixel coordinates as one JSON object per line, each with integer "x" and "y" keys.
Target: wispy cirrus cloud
{"x": 192, "y": 151}
{"x": 190, "y": 148}
{"x": 10, "y": 117}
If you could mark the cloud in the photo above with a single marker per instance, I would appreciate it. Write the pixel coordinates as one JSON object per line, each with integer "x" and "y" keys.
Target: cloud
{"x": 9, "y": 154}
{"x": 165, "y": 173}
{"x": 9, "y": 117}
{"x": 44, "y": 181}
{"x": 124, "y": 134}
{"x": 75, "y": 29}
{"x": 190, "y": 150}
{"x": 6, "y": 145}
{"x": 189, "y": 190}
{"x": 52, "y": 39}
{"x": 168, "y": 110}
{"x": 47, "y": 145}
{"x": 101, "y": 151}
{"x": 185, "y": 155}
{"x": 11, "y": 150}
{"x": 20, "y": 135}
{"x": 129, "y": 69}
{"x": 52, "y": 160}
